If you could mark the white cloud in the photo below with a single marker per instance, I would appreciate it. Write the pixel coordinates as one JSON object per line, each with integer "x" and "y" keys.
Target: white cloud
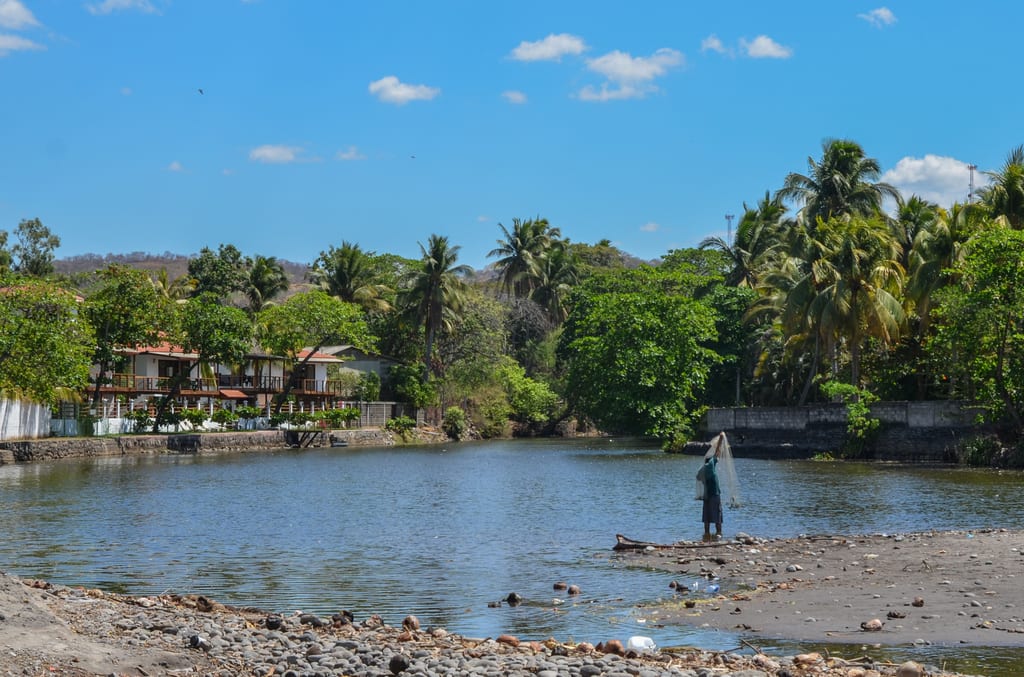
{"x": 650, "y": 227}
{"x": 350, "y": 153}
{"x": 111, "y": 6}
{"x": 275, "y": 155}
{"x": 175, "y": 167}
{"x": 15, "y": 43}
{"x": 391, "y": 90}
{"x": 227, "y": 172}
{"x": 483, "y": 218}
{"x": 943, "y": 180}
{"x": 629, "y": 77}
{"x": 551, "y": 48}
{"x": 880, "y": 17}
{"x": 763, "y": 47}
{"x": 513, "y": 96}
{"x": 712, "y": 43}
{"x": 14, "y": 15}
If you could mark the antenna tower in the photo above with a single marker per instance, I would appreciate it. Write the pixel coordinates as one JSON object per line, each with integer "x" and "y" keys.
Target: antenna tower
{"x": 970, "y": 195}
{"x": 728, "y": 220}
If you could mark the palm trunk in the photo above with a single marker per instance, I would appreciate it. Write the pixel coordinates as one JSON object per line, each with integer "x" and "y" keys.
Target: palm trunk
{"x": 813, "y": 372}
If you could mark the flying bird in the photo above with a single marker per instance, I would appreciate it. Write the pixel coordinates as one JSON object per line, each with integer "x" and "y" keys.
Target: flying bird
{"x": 200, "y": 91}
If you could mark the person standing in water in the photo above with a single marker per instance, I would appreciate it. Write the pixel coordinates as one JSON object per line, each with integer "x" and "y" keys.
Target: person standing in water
{"x": 712, "y": 511}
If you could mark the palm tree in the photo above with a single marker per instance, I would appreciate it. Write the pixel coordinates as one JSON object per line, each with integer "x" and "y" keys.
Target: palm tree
{"x": 756, "y": 235}
{"x": 348, "y": 273}
{"x": 913, "y": 217}
{"x": 861, "y": 281}
{"x": 179, "y": 289}
{"x": 434, "y": 293}
{"x": 521, "y": 253}
{"x": 842, "y": 183}
{"x": 557, "y": 275}
{"x": 1005, "y": 195}
{"x": 266, "y": 279}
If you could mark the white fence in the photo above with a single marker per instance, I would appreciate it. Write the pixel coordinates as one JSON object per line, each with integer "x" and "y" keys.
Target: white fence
{"x": 22, "y": 420}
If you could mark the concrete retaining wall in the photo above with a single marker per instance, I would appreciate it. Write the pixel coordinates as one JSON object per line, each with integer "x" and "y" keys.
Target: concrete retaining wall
{"x": 20, "y": 419}
{"x": 24, "y": 451}
{"x": 909, "y": 431}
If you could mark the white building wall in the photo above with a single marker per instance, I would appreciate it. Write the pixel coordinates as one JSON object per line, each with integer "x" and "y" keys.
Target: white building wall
{"x": 21, "y": 420}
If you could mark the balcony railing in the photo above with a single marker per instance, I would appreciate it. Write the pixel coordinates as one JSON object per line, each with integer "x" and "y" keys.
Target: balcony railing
{"x": 132, "y": 384}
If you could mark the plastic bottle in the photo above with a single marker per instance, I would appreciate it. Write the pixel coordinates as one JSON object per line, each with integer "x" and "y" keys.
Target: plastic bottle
{"x": 641, "y": 644}
{"x": 712, "y": 587}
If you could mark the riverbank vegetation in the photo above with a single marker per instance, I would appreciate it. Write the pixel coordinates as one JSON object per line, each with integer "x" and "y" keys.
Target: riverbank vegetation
{"x": 834, "y": 283}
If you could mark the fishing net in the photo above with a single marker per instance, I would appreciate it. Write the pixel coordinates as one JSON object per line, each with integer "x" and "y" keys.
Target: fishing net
{"x": 727, "y": 480}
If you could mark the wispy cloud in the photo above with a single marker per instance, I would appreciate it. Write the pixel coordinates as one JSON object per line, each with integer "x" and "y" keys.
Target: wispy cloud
{"x": 390, "y": 90}
{"x": 270, "y": 154}
{"x": 713, "y": 43}
{"x": 551, "y": 48}
{"x": 940, "y": 179}
{"x": 650, "y": 227}
{"x": 126, "y": 91}
{"x": 483, "y": 218}
{"x": 15, "y": 43}
{"x": 111, "y": 6}
{"x": 175, "y": 167}
{"x": 880, "y": 18}
{"x": 763, "y": 47}
{"x": 514, "y": 96}
{"x": 350, "y": 153}
{"x": 16, "y": 16}
{"x": 629, "y": 77}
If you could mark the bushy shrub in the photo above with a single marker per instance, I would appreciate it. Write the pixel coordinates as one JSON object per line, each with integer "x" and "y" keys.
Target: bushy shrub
{"x": 194, "y": 417}
{"x": 455, "y": 423}
{"x": 248, "y": 412}
{"x": 339, "y": 418}
{"x": 140, "y": 420}
{"x": 401, "y": 426}
{"x": 224, "y": 417}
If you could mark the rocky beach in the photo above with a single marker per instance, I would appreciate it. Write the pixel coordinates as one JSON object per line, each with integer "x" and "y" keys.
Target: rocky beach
{"x": 950, "y": 587}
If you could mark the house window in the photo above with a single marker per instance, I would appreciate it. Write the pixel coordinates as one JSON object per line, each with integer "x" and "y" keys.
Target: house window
{"x": 167, "y": 368}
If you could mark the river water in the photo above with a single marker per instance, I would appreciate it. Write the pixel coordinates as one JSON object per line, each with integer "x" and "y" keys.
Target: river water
{"x": 442, "y": 531}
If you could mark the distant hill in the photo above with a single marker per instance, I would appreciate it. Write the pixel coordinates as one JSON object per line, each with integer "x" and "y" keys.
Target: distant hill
{"x": 176, "y": 264}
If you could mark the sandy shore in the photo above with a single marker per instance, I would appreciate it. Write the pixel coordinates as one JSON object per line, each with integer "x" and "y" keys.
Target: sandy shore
{"x": 951, "y": 588}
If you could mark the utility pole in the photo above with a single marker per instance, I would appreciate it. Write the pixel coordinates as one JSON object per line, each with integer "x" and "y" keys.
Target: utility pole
{"x": 728, "y": 220}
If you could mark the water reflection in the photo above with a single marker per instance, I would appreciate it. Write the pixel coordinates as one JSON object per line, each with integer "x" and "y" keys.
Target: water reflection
{"x": 443, "y": 531}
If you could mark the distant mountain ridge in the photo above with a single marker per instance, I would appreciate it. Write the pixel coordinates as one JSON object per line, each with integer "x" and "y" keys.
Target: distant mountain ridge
{"x": 175, "y": 264}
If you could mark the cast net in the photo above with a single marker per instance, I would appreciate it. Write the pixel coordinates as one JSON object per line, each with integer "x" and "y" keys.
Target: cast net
{"x": 727, "y": 480}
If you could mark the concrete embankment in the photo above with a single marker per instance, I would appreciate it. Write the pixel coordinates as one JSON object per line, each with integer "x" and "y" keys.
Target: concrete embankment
{"x": 26, "y": 451}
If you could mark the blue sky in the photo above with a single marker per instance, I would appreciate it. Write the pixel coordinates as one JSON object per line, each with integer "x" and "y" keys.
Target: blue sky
{"x": 383, "y": 122}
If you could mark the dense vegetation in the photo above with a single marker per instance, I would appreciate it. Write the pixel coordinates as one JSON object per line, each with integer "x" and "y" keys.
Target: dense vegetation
{"x": 819, "y": 292}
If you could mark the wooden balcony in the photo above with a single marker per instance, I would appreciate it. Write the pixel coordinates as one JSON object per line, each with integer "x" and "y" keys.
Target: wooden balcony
{"x": 133, "y": 385}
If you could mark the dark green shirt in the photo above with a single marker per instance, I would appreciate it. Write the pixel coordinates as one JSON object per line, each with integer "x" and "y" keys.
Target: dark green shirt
{"x": 711, "y": 487}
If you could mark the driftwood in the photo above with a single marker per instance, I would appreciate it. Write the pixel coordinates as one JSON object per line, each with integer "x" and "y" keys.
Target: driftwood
{"x": 626, "y": 543}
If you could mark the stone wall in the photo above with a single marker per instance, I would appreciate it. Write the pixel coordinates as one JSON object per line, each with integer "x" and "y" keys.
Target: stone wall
{"x": 24, "y": 451}
{"x": 910, "y": 431}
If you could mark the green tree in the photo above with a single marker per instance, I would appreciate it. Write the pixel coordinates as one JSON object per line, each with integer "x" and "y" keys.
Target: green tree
{"x": 843, "y": 182}
{"x": 756, "y": 237}
{"x": 557, "y": 274}
{"x": 980, "y": 333}
{"x": 266, "y": 280}
{"x": 522, "y": 252}
{"x": 308, "y": 321}
{"x": 433, "y": 293}
{"x": 1005, "y": 195}
{"x": 179, "y": 288}
{"x": 861, "y": 285}
{"x": 44, "y": 349}
{"x": 221, "y": 273}
{"x": 34, "y": 250}
{"x": 352, "y": 275}
{"x": 126, "y": 311}
{"x": 5, "y": 254}
{"x": 635, "y": 355}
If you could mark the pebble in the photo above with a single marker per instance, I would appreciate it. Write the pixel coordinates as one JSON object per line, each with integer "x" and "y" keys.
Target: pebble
{"x": 277, "y": 645}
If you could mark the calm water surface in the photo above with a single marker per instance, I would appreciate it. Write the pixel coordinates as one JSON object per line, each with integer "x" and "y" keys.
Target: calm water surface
{"x": 440, "y": 531}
